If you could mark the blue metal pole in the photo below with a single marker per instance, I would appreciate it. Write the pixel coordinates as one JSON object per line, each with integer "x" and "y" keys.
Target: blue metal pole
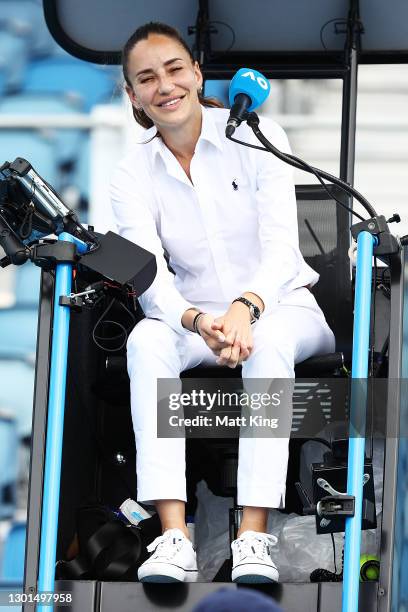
{"x": 55, "y": 424}
{"x": 356, "y": 449}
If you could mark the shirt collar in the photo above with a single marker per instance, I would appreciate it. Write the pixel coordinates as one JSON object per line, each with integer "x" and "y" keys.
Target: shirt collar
{"x": 209, "y": 133}
{"x": 209, "y": 130}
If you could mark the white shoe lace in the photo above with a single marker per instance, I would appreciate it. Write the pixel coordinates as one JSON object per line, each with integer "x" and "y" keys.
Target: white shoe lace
{"x": 253, "y": 543}
{"x": 168, "y": 544}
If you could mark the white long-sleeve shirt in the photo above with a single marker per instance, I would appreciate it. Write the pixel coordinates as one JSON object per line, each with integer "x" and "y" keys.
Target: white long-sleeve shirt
{"x": 231, "y": 230}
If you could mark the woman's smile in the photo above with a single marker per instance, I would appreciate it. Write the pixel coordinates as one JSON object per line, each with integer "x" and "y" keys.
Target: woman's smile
{"x": 171, "y": 104}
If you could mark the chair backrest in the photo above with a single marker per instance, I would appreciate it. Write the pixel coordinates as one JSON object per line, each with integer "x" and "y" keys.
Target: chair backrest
{"x": 324, "y": 238}
{"x": 12, "y": 567}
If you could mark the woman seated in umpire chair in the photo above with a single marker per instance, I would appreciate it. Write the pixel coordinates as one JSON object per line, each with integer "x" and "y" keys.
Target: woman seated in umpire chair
{"x": 226, "y": 216}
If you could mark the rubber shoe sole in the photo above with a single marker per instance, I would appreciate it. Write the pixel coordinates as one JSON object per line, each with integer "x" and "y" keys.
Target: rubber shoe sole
{"x": 161, "y": 572}
{"x": 158, "y": 578}
{"x": 253, "y": 579}
{"x": 253, "y": 573}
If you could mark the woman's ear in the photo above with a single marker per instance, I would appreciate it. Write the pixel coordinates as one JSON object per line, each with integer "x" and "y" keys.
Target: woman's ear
{"x": 132, "y": 97}
{"x": 198, "y": 75}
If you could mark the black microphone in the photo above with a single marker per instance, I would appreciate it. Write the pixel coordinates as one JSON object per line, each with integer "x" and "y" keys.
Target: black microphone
{"x": 248, "y": 90}
{"x": 238, "y": 113}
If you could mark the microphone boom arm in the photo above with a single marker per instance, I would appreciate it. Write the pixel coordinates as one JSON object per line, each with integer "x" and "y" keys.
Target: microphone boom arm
{"x": 387, "y": 243}
{"x": 253, "y": 122}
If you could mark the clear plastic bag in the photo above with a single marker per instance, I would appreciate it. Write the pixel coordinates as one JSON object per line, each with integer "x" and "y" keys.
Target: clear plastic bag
{"x": 299, "y": 549}
{"x": 211, "y": 531}
{"x": 298, "y": 552}
{"x": 302, "y": 550}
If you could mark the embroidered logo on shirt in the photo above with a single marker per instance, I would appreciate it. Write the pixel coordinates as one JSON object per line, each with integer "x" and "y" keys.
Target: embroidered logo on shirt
{"x": 235, "y": 184}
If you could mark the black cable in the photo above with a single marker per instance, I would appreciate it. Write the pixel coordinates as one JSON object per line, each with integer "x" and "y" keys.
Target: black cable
{"x": 230, "y": 29}
{"x": 84, "y": 233}
{"x": 247, "y": 144}
{"x": 373, "y": 302}
{"x": 28, "y": 217}
{"x": 27, "y": 221}
{"x": 124, "y": 333}
{"x": 337, "y": 20}
{"x": 324, "y": 575}
{"x": 301, "y": 165}
{"x": 307, "y": 168}
{"x": 93, "y": 304}
{"x": 334, "y": 552}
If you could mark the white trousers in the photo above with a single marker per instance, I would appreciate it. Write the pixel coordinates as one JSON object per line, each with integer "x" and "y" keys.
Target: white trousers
{"x": 294, "y": 331}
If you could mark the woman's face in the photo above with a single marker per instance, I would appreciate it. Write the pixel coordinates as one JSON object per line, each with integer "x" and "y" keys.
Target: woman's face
{"x": 165, "y": 82}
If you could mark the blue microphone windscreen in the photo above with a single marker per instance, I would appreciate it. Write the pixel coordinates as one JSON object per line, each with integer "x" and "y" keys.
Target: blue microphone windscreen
{"x": 253, "y": 84}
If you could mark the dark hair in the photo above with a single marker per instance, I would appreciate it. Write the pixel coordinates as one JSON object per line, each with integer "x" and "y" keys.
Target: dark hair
{"x": 143, "y": 33}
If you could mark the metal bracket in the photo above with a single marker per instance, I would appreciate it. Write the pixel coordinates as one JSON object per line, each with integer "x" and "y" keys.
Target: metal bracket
{"x": 322, "y": 482}
{"x": 47, "y": 255}
{"x": 337, "y": 504}
{"x": 378, "y": 227}
{"x": 75, "y": 303}
{"x": 74, "y": 300}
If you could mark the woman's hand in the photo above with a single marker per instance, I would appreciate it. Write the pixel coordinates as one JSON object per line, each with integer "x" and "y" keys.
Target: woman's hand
{"x": 214, "y": 337}
{"x": 236, "y": 326}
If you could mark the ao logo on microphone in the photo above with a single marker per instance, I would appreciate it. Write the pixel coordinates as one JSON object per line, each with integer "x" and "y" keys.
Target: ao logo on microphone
{"x": 262, "y": 82}
{"x": 251, "y": 83}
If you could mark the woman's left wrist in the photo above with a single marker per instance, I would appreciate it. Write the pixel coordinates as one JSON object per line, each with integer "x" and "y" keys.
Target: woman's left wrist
{"x": 252, "y": 309}
{"x": 240, "y": 307}
{"x": 255, "y": 299}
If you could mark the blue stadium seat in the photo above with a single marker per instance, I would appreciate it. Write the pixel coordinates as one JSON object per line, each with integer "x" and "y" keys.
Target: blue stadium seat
{"x": 78, "y": 81}
{"x": 70, "y": 146}
{"x": 9, "y": 441}
{"x": 2, "y": 81}
{"x": 23, "y": 36}
{"x": 14, "y": 58}
{"x": 65, "y": 141}
{"x": 37, "y": 147}
{"x": 27, "y": 286}
{"x": 16, "y": 392}
{"x": 18, "y": 332}
{"x": 39, "y": 104}
{"x": 12, "y": 568}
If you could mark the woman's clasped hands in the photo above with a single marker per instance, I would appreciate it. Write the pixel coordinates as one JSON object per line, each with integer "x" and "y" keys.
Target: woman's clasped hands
{"x": 228, "y": 336}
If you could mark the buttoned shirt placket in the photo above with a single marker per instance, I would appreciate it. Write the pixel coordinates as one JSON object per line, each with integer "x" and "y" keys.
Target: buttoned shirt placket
{"x": 206, "y": 210}
{"x": 207, "y": 204}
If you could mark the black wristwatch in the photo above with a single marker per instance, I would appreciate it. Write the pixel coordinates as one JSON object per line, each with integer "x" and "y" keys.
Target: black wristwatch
{"x": 253, "y": 309}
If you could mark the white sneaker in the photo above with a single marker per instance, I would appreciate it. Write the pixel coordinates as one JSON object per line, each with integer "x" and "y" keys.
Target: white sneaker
{"x": 251, "y": 558}
{"x": 173, "y": 559}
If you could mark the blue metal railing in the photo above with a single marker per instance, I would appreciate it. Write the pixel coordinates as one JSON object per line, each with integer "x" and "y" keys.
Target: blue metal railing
{"x": 55, "y": 424}
{"x": 355, "y": 469}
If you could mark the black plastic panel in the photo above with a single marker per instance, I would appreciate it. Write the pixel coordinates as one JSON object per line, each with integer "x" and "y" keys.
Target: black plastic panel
{"x": 330, "y": 597}
{"x": 96, "y": 30}
{"x": 125, "y": 596}
{"x": 84, "y": 595}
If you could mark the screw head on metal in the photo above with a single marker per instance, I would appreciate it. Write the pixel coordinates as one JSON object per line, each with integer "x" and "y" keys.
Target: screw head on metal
{"x": 121, "y": 459}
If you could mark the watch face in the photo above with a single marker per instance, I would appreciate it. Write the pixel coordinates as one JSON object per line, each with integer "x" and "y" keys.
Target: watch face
{"x": 257, "y": 312}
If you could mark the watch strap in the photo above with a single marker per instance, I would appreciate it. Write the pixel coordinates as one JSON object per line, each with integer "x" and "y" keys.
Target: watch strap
{"x": 253, "y": 308}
